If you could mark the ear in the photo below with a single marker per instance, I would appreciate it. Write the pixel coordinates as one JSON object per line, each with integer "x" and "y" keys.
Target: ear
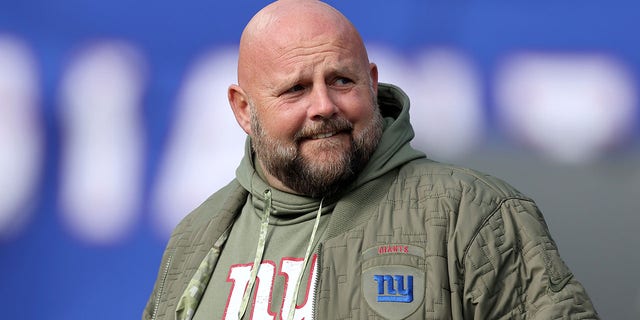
{"x": 239, "y": 102}
{"x": 373, "y": 73}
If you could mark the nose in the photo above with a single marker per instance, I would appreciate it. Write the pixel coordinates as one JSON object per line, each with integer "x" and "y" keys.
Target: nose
{"x": 322, "y": 104}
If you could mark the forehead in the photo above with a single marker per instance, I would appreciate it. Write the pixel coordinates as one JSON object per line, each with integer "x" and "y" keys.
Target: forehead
{"x": 318, "y": 56}
{"x": 310, "y": 48}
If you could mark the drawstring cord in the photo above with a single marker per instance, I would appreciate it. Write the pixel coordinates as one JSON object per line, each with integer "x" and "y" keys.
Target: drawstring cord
{"x": 259, "y": 252}
{"x": 307, "y": 254}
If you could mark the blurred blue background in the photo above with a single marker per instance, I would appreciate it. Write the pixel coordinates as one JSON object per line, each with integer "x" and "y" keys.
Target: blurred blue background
{"x": 114, "y": 124}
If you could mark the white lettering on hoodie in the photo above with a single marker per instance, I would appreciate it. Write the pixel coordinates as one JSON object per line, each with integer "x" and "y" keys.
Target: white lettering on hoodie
{"x": 290, "y": 269}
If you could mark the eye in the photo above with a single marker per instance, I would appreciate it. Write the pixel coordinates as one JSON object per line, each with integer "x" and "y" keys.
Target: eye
{"x": 342, "y": 81}
{"x": 294, "y": 89}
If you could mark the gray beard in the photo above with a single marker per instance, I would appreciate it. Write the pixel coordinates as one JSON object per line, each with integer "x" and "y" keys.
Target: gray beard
{"x": 302, "y": 175}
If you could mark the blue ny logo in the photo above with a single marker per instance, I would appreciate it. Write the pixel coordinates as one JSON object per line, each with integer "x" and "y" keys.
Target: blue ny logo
{"x": 395, "y": 287}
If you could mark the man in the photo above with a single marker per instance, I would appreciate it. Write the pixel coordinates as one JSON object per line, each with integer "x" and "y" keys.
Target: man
{"x": 333, "y": 215}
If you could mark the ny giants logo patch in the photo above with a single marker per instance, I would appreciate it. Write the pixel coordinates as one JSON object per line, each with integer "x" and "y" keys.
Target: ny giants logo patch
{"x": 394, "y": 290}
{"x": 391, "y": 285}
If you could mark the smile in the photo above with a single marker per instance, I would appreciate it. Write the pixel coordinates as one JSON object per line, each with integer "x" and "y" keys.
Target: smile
{"x": 323, "y": 135}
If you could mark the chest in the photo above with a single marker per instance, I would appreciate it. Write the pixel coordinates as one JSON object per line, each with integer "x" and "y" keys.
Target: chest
{"x": 282, "y": 264}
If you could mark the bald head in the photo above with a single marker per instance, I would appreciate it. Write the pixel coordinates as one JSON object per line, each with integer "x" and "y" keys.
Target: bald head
{"x": 284, "y": 14}
{"x": 306, "y": 96}
{"x": 287, "y": 24}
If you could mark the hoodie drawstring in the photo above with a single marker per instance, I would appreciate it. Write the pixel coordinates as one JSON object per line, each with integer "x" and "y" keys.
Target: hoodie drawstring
{"x": 307, "y": 254}
{"x": 264, "y": 224}
{"x": 259, "y": 252}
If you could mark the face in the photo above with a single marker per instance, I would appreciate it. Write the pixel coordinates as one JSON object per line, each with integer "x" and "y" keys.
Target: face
{"x": 327, "y": 163}
{"x": 314, "y": 121}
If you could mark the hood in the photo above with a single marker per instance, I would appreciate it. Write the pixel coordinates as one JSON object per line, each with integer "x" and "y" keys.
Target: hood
{"x": 393, "y": 151}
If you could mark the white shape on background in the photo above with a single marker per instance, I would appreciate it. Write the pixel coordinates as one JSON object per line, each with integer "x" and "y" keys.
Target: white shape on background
{"x": 102, "y": 141}
{"x": 21, "y": 137}
{"x": 206, "y": 143}
{"x": 569, "y": 106}
{"x": 447, "y": 110}
{"x": 445, "y": 93}
{"x": 393, "y": 67}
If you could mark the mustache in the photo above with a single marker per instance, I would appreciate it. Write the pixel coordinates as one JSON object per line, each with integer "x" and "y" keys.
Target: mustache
{"x": 326, "y": 126}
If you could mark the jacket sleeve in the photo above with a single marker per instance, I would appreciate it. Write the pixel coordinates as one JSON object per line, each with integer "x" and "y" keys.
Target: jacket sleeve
{"x": 512, "y": 270}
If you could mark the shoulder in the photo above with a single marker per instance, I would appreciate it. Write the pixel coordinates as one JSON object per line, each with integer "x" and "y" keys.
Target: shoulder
{"x": 222, "y": 203}
{"x": 467, "y": 186}
{"x": 457, "y": 181}
{"x": 465, "y": 198}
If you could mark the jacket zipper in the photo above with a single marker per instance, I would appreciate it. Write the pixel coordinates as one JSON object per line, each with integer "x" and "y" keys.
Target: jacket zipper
{"x": 161, "y": 288}
{"x": 314, "y": 306}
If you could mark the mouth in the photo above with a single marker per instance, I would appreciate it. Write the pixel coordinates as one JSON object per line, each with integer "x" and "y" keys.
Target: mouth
{"x": 337, "y": 127}
{"x": 322, "y": 135}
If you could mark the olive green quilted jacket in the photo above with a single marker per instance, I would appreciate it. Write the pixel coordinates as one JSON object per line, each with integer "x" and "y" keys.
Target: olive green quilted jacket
{"x": 417, "y": 240}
